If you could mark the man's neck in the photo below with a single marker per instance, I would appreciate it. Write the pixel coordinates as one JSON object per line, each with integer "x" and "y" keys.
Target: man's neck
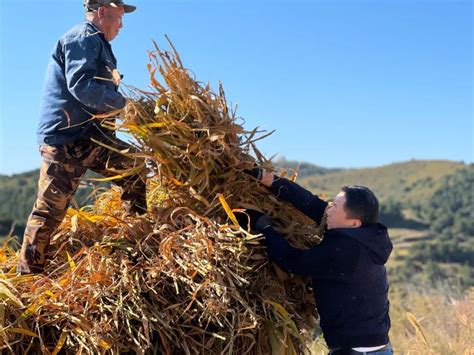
{"x": 94, "y": 21}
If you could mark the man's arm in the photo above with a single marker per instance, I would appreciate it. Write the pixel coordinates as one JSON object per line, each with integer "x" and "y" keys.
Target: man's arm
{"x": 81, "y": 67}
{"x": 303, "y": 200}
{"x": 324, "y": 261}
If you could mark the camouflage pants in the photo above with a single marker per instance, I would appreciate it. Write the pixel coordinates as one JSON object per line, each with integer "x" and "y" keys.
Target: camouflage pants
{"x": 62, "y": 169}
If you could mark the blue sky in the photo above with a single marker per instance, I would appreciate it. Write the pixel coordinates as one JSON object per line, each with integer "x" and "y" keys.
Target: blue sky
{"x": 344, "y": 83}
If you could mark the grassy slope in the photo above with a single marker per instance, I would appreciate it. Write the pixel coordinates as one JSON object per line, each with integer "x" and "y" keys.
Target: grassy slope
{"x": 410, "y": 183}
{"x": 18, "y": 193}
{"x": 304, "y": 169}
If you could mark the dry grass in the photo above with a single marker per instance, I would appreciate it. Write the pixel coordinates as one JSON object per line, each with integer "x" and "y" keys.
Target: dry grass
{"x": 432, "y": 322}
{"x": 184, "y": 278}
{"x": 427, "y": 322}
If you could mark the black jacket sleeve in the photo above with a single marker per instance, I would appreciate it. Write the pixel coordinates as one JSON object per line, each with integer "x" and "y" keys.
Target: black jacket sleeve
{"x": 327, "y": 260}
{"x": 303, "y": 200}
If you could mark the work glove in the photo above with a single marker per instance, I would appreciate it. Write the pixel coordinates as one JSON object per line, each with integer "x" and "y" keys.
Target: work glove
{"x": 257, "y": 221}
{"x": 263, "y": 176}
{"x": 256, "y": 172}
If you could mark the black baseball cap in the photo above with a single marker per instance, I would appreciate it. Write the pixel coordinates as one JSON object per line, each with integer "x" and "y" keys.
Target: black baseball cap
{"x": 92, "y": 5}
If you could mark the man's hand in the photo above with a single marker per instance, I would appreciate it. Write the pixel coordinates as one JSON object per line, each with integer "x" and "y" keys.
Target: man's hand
{"x": 262, "y": 175}
{"x": 254, "y": 220}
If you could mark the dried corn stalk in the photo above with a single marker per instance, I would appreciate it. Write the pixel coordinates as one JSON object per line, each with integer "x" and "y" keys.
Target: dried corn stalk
{"x": 185, "y": 278}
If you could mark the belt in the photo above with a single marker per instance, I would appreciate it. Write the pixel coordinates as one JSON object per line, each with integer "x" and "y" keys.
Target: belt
{"x": 350, "y": 351}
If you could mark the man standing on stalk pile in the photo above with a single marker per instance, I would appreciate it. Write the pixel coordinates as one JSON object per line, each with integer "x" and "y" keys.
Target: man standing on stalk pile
{"x": 349, "y": 277}
{"x": 81, "y": 81}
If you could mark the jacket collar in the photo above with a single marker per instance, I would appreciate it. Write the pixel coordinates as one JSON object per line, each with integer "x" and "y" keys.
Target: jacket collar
{"x": 95, "y": 29}
{"x": 374, "y": 237}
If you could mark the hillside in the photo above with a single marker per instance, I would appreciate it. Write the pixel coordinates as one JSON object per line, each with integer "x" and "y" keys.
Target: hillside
{"x": 428, "y": 207}
{"x": 410, "y": 183}
{"x": 305, "y": 169}
{"x": 18, "y": 193}
{"x": 431, "y": 238}
{"x": 431, "y": 262}
{"x": 405, "y": 184}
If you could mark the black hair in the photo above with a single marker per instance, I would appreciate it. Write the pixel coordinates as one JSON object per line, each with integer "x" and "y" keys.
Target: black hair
{"x": 361, "y": 203}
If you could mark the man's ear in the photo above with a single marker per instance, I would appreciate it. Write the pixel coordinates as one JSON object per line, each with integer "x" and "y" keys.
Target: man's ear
{"x": 101, "y": 12}
{"x": 356, "y": 223}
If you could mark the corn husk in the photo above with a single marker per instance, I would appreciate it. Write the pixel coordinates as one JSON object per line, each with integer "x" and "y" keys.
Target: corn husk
{"x": 184, "y": 278}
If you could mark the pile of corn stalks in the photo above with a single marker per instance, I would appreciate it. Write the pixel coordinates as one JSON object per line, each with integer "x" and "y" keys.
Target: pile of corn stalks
{"x": 185, "y": 278}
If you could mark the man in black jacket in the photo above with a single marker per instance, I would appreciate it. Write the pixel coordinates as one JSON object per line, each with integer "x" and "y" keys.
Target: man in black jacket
{"x": 349, "y": 277}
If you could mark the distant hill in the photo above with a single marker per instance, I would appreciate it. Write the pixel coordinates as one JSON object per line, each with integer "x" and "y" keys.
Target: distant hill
{"x": 304, "y": 168}
{"x": 410, "y": 183}
{"x": 447, "y": 251}
{"x": 18, "y": 191}
{"x": 426, "y": 204}
{"x": 18, "y": 194}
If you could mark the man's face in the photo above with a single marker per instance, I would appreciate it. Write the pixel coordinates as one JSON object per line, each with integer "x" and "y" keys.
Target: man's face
{"x": 110, "y": 21}
{"x": 337, "y": 216}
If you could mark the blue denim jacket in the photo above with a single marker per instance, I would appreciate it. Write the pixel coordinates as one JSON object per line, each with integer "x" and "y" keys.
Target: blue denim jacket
{"x": 72, "y": 92}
